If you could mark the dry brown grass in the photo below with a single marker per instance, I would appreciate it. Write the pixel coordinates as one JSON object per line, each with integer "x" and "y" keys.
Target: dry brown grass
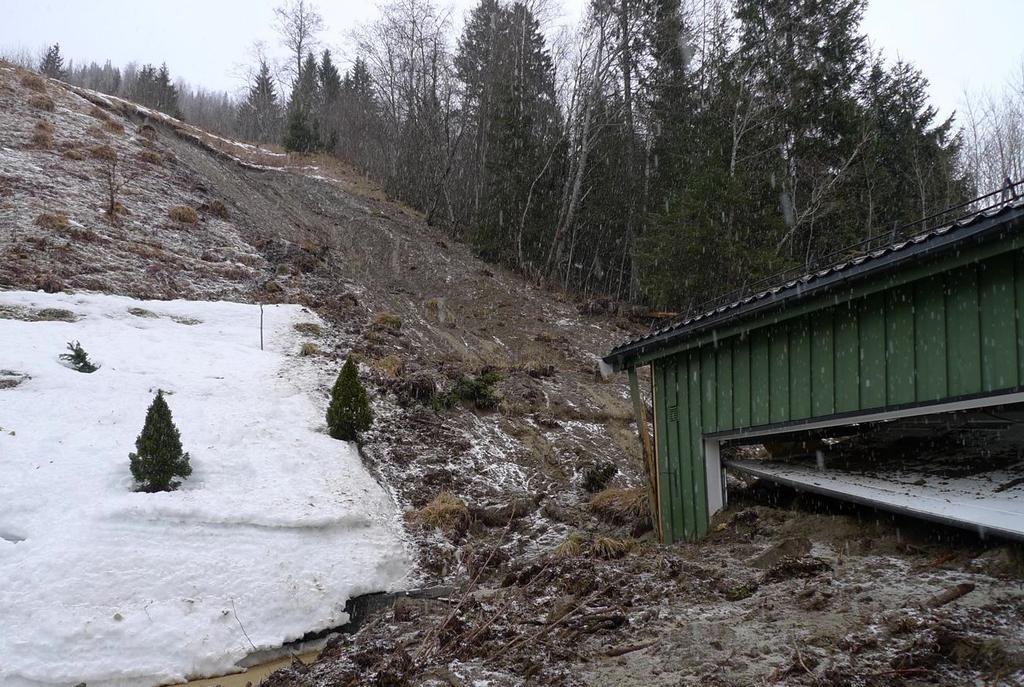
{"x": 43, "y": 125}
{"x": 50, "y": 283}
{"x": 308, "y": 328}
{"x": 391, "y": 366}
{"x": 571, "y": 546}
{"x": 621, "y": 506}
{"x": 42, "y": 102}
{"x": 41, "y": 139}
{"x": 608, "y": 548}
{"x": 102, "y": 152}
{"x": 74, "y": 154}
{"x": 54, "y": 221}
{"x": 152, "y": 157}
{"x": 147, "y": 131}
{"x": 34, "y": 82}
{"x": 446, "y": 512}
{"x": 83, "y": 235}
{"x": 183, "y": 214}
{"x": 216, "y": 208}
{"x": 99, "y": 113}
{"x": 386, "y": 321}
{"x": 113, "y": 127}
{"x": 309, "y": 348}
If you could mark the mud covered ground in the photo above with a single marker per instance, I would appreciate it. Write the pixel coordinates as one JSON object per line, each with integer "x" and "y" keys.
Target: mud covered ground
{"x": 787, "y": 590}
{"x": 517, "y": 465}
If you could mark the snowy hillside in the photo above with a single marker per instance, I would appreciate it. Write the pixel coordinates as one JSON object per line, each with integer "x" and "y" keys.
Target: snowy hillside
{"x": 277, "y": 526}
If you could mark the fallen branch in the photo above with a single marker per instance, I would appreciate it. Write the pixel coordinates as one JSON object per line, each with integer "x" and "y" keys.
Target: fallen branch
{"x": 951, "y": 594}
{"x": 628, "y": 649}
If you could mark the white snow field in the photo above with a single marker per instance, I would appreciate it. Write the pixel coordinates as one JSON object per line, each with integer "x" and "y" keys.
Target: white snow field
{"x": 278, "y": 525}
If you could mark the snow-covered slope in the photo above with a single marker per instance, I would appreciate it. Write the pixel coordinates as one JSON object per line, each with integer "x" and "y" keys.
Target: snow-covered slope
{"x": 276, "y": 528}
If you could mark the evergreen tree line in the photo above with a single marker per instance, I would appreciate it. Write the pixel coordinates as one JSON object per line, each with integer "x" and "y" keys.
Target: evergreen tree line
{"x": 663, "y": 154}
{"x": 147, "y": 85}
{"x": 665, "y": 151}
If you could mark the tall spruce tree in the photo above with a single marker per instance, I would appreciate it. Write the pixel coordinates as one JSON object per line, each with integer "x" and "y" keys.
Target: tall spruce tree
{"x": 910, "y": 168}
{"x": 509, "y": 83}
{"x": 52, "y": 64}
{"x": 302, "y": 128}
{"x": 349, "y": 412}
{"x": 327, "y": 105}
{"x": 158, "y": 457}
{"x": 806, "y": 58}
{"x": 359, "y": 128}
{"x": 259, "y": 117}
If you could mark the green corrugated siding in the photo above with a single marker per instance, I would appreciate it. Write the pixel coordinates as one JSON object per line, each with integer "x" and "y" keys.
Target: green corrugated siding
{"x": 951, "y": 334}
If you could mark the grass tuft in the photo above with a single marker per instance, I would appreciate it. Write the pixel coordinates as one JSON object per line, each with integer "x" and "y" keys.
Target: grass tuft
{"x": 34, "y": 82}
{"x": 183, "y": 214}
{"x": 391, "y": 366}
{"x": 103, "y": 152}
{"x": 446, "y": 512}
{"x": 42, "y": 102}
{"x": 99, "y": 113}
{"x": 54, "y": 221}
{"x": 387, "y": 322}
{"x": 308, "y": 348}
{"x": 308, "y": 328}
{"x": 621, "y": 506}
{"x": 571, "y": 546}
{"x": 608, "y": 548}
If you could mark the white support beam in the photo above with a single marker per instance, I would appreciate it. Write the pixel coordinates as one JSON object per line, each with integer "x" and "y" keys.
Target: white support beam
{"x": 916, "y": 411}
{"x": 714, "y": 471}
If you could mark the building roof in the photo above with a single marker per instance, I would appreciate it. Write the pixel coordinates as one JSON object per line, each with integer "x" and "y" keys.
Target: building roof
{"x": 787, "y": 290}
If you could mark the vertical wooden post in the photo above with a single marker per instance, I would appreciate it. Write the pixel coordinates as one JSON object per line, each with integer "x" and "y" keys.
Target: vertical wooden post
{"x": 650, "y": 460}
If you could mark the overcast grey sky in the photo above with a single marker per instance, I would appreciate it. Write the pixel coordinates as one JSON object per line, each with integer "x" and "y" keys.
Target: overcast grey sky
{"x": 957, "y": 43}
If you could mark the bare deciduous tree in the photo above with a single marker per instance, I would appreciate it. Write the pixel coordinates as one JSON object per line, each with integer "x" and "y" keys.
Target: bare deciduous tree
{"x": 299, "y": 23}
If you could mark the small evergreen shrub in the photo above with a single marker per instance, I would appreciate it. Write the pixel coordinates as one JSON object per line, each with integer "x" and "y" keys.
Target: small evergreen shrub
{"x": 477, "y": 392}
{"x": 78, "y": 359}
{"x": 349, "y": 412}
{"x": 158, "y": 457}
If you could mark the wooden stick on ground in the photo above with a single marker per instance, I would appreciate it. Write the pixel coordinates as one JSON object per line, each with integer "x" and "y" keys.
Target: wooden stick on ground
{"x": 951, "y": 594}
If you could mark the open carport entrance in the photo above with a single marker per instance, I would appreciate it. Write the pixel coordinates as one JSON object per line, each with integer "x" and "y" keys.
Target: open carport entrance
{"x": 906, "y": 324}
{"x": 958, "y": 464}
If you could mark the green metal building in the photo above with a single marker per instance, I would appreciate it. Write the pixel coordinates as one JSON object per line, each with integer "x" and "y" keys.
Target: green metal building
{"x": 926, "y": 324}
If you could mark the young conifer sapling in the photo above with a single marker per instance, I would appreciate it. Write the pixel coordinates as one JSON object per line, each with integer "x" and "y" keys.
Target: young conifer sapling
{"x": 158, "y": 457}
{"x": 78, "y": 359}
{"x": 349, "y": 412}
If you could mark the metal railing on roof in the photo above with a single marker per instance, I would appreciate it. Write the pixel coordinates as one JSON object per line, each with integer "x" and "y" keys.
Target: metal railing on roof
{"x": 1008, "y": 193}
